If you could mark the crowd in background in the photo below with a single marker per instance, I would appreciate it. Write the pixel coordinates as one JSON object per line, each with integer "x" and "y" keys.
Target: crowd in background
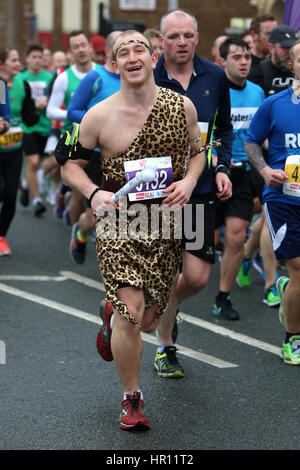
{"x": 54, "y": 89}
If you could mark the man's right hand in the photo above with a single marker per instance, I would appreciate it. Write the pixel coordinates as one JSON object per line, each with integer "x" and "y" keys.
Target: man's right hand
{"x": 102, "y": 202}
{"x": 273, "y": 177}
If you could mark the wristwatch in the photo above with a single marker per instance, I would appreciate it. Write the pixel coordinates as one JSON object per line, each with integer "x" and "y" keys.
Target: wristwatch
{"x": 223, "y": 169}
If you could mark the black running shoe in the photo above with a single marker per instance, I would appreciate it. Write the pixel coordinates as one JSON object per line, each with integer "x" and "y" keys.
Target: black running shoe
{"x": 24, "y": 198}
{"x": 223, "y": 309}
{"x": 167, "y": 365}
{"x": 39, "y": 208}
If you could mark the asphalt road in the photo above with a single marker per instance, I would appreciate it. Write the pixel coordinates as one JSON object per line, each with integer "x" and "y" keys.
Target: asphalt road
{"x": 57, "y": 393}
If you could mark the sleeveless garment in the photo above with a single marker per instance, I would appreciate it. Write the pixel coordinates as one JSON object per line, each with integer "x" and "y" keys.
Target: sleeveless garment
{"x": 148, "y": 264}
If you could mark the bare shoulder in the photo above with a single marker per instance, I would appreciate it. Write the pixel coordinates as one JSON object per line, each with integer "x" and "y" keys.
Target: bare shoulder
{"x": 190, "y": 110}
{"x": 95, "y": 121}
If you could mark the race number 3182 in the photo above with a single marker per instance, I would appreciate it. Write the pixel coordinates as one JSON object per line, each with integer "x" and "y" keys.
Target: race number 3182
{"x": 163, "y": 178}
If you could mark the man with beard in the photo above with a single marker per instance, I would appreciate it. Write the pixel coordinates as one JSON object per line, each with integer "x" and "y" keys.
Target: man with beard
{"x": 273, "y": 74}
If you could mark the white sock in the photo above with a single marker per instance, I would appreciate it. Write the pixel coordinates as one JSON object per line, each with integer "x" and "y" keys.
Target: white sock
{"x": 161, "y": 347}
{"x": 24, "y": 183}
{"x": 125, "y": 394}
{"x": 36, "y": 200}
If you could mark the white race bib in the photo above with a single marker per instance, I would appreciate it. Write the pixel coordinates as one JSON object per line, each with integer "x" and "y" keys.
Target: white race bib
{"x": 163, "y": 179}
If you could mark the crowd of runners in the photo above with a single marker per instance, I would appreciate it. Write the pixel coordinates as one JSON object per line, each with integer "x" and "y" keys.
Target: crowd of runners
{"x": 77, "y": 125}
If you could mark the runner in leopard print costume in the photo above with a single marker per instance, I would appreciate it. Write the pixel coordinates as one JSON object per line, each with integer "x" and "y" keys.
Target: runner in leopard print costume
{"x": 140, "y": 121}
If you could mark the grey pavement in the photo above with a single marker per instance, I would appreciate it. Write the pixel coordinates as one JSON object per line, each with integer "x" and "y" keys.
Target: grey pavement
{"x": 58, "y": 394}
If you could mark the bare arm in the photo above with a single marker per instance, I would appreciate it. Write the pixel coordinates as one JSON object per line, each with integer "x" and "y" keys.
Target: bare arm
{"x": 273, "y": 177}
{"x": 73, "y": 173}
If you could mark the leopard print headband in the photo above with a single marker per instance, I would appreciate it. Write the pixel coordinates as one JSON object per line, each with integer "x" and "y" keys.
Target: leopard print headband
{"x": 132, "y": 41}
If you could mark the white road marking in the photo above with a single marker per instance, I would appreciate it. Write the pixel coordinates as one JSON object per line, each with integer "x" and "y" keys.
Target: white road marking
{"x": 231, "y": 334}
{"x": 83, "y": 280}
{"x": 16, "y": 277}
{"x": 190, "y": 319}
{"x": 92, "y": 318}
{"x": 213, "y": 361}
{"x": 50, "y": 303}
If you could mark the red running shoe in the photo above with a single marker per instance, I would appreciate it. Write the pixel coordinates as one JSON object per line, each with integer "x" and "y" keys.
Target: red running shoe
{"x": 104, "y": 335}
{"x": 4, "y": 248}
{"x": 131, "y": 417}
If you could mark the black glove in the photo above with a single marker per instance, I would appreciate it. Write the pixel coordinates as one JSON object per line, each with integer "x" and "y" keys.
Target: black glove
{"x": 29, "y": 115}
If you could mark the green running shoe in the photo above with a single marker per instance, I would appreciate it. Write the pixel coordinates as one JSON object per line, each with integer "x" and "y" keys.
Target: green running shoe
{"x": 244, "y": 275}
{"x": 271, "y": 297}
{"x": 291, "y": 351}
{"x": 281, "y": 284}
{"x": 167, "y": 365}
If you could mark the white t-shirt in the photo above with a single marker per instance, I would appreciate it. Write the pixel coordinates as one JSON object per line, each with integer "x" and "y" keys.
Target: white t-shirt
{"x": 57, "y": 96}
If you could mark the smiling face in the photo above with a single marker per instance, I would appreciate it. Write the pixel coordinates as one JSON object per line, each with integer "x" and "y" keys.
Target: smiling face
{"x": 133, "y": 58}
{"x": 12, "y": 65}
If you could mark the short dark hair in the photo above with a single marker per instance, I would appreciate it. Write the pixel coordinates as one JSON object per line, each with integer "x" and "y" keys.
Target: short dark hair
{"x": 76, "y": 32}
{"x": 151, "y": 33}
{"x": 4, "y": 53}
{"x": 256, "y": 22}
{"x": 34, "y": 47}
{"x": 225, "y": 46}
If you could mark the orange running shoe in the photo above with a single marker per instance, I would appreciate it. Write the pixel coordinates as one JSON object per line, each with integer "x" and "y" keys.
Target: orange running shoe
{"x": 4, "y": 248}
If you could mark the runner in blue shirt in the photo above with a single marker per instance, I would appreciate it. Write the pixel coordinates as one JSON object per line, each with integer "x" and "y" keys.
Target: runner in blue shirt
{"x": 278, "y": 121}
{"x": 97, "y": 85}
{"x": 236, "y": 213}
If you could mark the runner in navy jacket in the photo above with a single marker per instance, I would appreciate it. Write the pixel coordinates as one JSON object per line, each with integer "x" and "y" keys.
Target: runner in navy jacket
{"x": 181, "y": 70}
{"x": 208, "y": 89}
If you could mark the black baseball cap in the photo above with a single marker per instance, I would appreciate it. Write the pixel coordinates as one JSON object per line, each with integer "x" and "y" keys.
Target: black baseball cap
{"x": 284, "y": 35}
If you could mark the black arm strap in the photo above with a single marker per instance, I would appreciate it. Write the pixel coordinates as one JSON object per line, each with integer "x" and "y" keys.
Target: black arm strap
{"x": 69, "y": 147}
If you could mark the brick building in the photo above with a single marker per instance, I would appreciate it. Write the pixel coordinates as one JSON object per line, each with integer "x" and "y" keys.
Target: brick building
{"x": 213, "y": 16}
{"x": 49, "y": 21}
{"x": 16, "y": 24}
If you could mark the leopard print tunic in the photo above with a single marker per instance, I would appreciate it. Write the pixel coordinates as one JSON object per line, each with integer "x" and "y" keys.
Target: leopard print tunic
{"x": 149, "y": 264}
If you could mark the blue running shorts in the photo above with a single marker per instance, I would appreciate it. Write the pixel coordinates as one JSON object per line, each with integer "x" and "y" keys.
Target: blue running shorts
{"x": 284, "y": 226}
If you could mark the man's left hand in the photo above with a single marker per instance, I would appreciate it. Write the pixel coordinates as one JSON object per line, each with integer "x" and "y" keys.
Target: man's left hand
{"x": 181, "y": 192}
{"x": 224, "y": 186}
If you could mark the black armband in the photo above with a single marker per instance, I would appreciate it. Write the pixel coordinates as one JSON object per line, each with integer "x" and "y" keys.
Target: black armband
{"x": 223, "y": 169}
{"x": 68, "y": 147}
